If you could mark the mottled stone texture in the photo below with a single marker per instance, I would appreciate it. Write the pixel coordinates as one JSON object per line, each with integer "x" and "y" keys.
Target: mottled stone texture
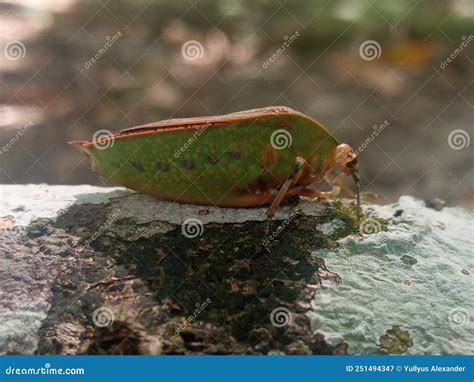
{"x": 108, "y": 281}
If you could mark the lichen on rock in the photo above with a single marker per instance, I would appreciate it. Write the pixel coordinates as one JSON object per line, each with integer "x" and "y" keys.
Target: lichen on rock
{"x": 413, "y": 272}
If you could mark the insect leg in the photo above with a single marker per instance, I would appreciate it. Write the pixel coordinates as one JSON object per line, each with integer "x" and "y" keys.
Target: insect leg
{"x": 282, "y": 192}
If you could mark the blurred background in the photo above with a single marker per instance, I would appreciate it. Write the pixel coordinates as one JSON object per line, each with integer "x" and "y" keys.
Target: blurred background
{"x": 391, "y": 78}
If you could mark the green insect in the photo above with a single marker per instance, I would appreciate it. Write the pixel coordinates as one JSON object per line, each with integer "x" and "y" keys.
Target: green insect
{"x": 245, "y": 159}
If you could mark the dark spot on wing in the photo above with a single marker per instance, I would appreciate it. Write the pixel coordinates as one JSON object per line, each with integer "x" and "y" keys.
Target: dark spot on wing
{"x": 137, "y": 166}
{"x": 187, "y": 164}
{"x": 212, "y": 160}
{"x": 234, "y": 155}
{"x": 163, "y": 166}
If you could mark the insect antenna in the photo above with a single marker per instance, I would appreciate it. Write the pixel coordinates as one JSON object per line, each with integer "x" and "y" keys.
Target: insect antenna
{"x": 355, "y": 175}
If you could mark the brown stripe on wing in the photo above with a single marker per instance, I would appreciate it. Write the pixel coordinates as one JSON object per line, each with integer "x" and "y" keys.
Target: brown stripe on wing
{"x": 211, "y": 120}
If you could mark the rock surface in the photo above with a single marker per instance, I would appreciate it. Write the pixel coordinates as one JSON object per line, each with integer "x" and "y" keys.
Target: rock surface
{"x": 416, "y": 277}
{"x": 89, "y": 270}
{"x": 82, "y": 274}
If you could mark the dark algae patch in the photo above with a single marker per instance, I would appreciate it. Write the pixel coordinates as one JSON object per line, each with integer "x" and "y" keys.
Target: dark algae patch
{"x": 436, "y": 204}
{"x": 395, "y": 341}
{"x": 408, "y": 260}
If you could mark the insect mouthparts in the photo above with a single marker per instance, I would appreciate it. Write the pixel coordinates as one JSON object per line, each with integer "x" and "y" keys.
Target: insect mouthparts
{"x": 355, "y": 175}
